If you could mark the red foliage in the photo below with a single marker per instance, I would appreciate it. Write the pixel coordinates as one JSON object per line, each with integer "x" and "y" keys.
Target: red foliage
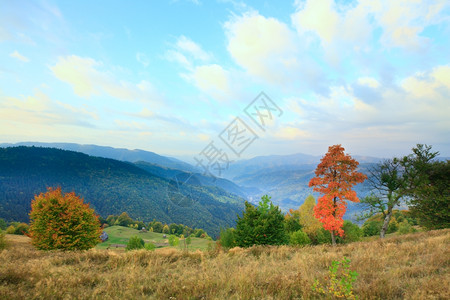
{"x": 335, "y": 176}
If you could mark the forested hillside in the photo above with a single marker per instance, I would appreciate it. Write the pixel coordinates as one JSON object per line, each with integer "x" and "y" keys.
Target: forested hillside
{"x": 110, "y": 186}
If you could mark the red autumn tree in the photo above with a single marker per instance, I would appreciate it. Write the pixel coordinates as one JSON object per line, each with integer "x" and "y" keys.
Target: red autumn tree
{"x": 335, "y": 176}
{"x": 63, "y": 222}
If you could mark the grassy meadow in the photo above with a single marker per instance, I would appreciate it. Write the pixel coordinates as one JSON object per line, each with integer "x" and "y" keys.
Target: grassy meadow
{"x": 118, "y": 237}
{"x": 414, "y": 266}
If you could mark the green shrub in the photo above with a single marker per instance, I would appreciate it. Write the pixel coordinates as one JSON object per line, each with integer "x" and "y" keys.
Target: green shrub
{"x": 150, "y": 246}
{"x": 173, "y": 240}
{"x": 2, "y": 240}
{"x": 371, "y": 228}
{"x": 227, "y": 238}
{"x": 322, "y": 236}
{"x": 299, "y": 238}
{"x": 352, "y": 233}
{"x": 339, "y": 281}
{"x": 135, "y": 243}
{"x": 393, "y": 226}
{"x": 404, "y": 227}
{"x": 11, "y": 229}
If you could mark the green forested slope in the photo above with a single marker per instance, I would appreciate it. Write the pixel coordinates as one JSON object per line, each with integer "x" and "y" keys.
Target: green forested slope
{"x": 110, "y": 186}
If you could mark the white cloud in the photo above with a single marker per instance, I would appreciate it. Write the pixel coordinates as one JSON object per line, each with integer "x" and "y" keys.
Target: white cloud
{"x": 87, "y": 79}
{"x": 291, "y": 133}
{"x": 19, "y": 56}
{"x": 142, "y": 59}
{"x": 414, "y": 111}
{"x": 211, "y": 77}
{"x": 369, "y": 81}
{"x": 39, "y": 110}
{"x": 178, "y": 57}
{"x": 188, "y": 46}
{"x": 401, "y": 21}
{"x": 264, "y": 47}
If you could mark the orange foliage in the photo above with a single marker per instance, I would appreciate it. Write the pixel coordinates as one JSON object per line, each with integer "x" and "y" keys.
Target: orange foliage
{"x": 335, "y": 176}
{"x": 63, "y": 221}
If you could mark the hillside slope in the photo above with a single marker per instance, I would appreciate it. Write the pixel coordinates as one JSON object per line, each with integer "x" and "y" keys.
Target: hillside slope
{"x": 111, "y": 187}
{"x": 114, "y": 153}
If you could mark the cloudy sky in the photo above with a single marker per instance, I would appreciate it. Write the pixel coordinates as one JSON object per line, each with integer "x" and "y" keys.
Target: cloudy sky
{"x": 171, "y": 76}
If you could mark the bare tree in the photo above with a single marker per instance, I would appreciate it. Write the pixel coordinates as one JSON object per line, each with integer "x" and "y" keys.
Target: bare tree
{"x": 387, "y": 183}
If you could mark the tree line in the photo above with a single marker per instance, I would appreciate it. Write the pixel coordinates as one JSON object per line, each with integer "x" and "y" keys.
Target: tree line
{"x": 418, "y": 180}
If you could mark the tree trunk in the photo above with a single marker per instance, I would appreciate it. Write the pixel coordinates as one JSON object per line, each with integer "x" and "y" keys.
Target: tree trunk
{"x": 385, "y": 226}
{"x": 333, "y": 238}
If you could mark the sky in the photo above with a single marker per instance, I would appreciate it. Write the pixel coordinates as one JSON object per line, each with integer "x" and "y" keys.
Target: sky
{"x": 184, "y": 78}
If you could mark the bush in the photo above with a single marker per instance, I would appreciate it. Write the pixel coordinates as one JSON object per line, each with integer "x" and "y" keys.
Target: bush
{"x": 262, "y": 225}
{"x": 135, "y": 243}
{"x": 150, "y": 246}
{"x": 63, "y": 222}
{"x": 227, "y": 238}
{"x": 393, "y": 226}
{"x": 173, "y": 240}
{"x": 299, "y": 238}
{"x": 2, "y": 240}
{"x": 339, "y": 282}
{"x": 371, "y": 228}
{"x": 404, "y": 227}
{"x": 17, "y": 228}
{"x": 352, "y": 232}
{"x": 11, "y": 229}
{"x": 322, "y": 236}
{"x": 21, "y": 229}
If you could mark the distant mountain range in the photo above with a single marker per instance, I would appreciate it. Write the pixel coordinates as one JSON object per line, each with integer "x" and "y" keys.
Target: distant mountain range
{"x": 284, "y": 177}
{"x": 112, "y": 187}
{"x": 114, "y": 153}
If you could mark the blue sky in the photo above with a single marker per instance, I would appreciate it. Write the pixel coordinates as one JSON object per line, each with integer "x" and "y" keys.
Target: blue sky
{"x": 170, "y": 76}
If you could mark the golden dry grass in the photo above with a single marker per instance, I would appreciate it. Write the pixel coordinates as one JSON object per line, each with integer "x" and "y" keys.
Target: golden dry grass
{"x": 414, "y": 266}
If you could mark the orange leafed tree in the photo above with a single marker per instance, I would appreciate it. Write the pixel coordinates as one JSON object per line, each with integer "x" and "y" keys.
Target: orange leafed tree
{"x": 336, "y": 175}
{"x": 63, "y": 221}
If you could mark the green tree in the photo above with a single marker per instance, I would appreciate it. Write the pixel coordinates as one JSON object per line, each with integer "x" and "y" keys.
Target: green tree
{"x": 63, "y": 222}
{"x": 292, "y": 221}
{"x": 227, "y": 238}
{"x": 262, "y": 225}
{"x": 352, "y": 233}
{"x": 3, "y": 224}
{"x": 157, "y": 227}
{"x": 428, "y": 187}
{"x": 135, "y": 243}
{"x": 199, "y": 232}
{"x": 124, "y": 220}
{"x": 372, "y": 227}
{"x": 173, "y": 240}
{"x": 166, "y": 229}
{"x": 299, "y": 238}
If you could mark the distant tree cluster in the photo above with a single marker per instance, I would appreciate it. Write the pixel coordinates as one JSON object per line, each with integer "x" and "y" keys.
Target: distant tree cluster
{"x": 14, "y": 227}
{"x": 154, "y": 226}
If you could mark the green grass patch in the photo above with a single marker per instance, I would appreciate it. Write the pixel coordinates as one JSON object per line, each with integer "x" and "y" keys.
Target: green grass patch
{"x": 119, "y": 236}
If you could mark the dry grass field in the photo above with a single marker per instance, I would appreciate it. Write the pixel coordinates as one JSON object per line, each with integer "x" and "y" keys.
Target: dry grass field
{"x": 414, "y": 266}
